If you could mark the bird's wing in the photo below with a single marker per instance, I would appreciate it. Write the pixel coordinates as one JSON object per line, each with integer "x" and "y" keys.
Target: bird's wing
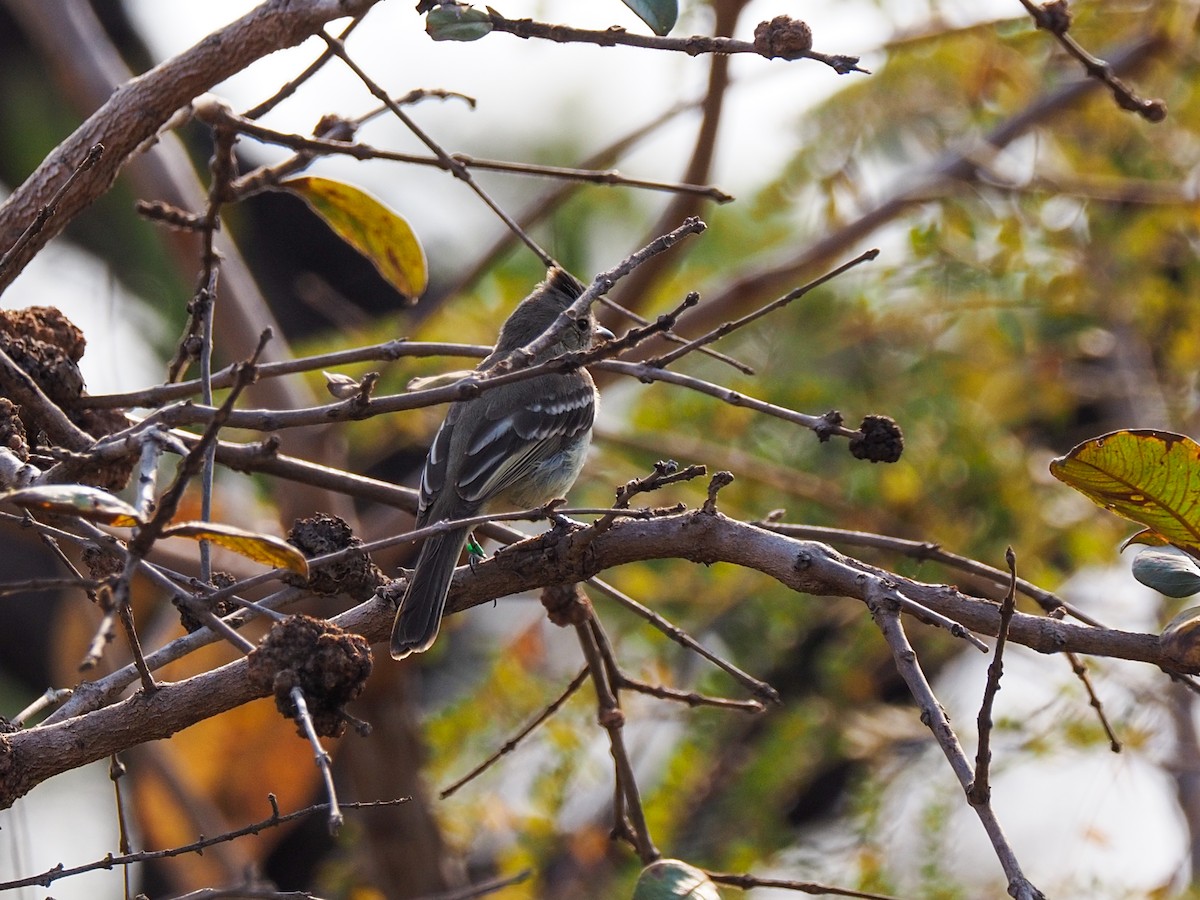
{"x": 503, "y": 448}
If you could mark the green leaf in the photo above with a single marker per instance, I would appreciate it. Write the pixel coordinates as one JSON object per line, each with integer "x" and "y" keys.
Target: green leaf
{"x": 673, "y": 879}
{"x": 80, "y": 500}
{"x": 660, "y": 15}
{"x": 263, "y": 548}
{"x": 375, "y": 231}
{"x": 451, "y": 22}
{"x": 1150, "y": 477}
{"x": 1168, "y": 571}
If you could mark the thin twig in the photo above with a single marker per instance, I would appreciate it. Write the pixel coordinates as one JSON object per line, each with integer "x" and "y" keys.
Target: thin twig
{"x": 550, "y": 202}
{"x": 116, "y": 771}
{"x": 511, "y": 744}
{"x": 979, "y": 792}
{"x": 692, "y": 46}
{"x": 104, "y": 633}
{"x": 666, "y": 471}
{"x": 1081, "y": 672}
{"x": 691, "y": 698}
{"x": 612, "y": 720}
{"x": 886, "y": 614}
{"x": 755, "y": 686}
{"x": 386, "y": 351}
{"x": 51, "y": 697}
{"x": 1055, "y": 17}
{"x": 324, "y": 760}
{"x": 927, "y": 550}
{"x": 456, "y": 168}
{"x": 749, "y": 882}
{"x": 609, "y": 303}
{"x": 483, "y": 889}
{"x": 726, "y": 328}
{"x": 47, "y": 211}
{"x": 306, "y": 147}
{"x": 291, "y": 87}
{"x": 45, "y": 879}
{"x": 602, "y": 284}
{"x": 125, "y": 614}
{"x": 145, "y": 536}
{"x": 32, "y": 585}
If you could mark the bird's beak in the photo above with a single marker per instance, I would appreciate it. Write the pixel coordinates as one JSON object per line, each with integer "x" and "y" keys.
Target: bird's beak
{"x": 603, "y": 334}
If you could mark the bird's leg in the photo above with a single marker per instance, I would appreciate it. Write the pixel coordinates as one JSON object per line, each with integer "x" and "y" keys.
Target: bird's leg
{"x": 475, "y": 554}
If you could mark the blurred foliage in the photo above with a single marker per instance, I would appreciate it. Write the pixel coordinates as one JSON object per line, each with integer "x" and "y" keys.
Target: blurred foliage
{"x": 1001, "y": 324}
{"x": 1007, "y": 318}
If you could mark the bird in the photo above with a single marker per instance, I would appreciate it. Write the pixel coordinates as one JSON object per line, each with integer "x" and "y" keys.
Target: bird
{"x": 517, "y": 446}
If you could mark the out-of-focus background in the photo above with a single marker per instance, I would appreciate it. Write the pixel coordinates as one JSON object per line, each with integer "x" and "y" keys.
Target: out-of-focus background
{"x": 1036, "y": 287}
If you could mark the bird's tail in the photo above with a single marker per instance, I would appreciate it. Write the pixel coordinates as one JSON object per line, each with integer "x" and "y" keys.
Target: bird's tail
{"x": 420, "y": 614}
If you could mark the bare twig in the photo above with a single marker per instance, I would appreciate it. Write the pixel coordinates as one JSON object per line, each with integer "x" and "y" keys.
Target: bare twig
{"x": 546, "y": 205}
{"x": 386, "y": 351}
{"x": 146, "y": 535}
{"x": 927, "y": 550}
{"x": 324, "y": 761}
{"x": 665, "y": 472}
{"x": 116, "y": 771}
{"x": 511, "y": 744}
{"x": 625, "y": 312}
{"x": 307, "y": 147}
{"x": 483, "y": 889}
{"x": 692, "y": 46}
{"x": 755, "y": 686}
{"x": 691, "y": 698}
{"x": 50, "y": 207}
{"x": 290, "y": 87}
{"x": 726, "y": 328}
{"x": 602, "y": 284}
{"x": 31, "y": 585}
{"x": 45, "y": 879}
{"x": 749, "y": 882}
{"x": 612, "y": 720}
{"x": 52, "y": 697}
{"x": 456, "y": 168}
{"x": 1055, "y": 17}
{"x": 979, "y": 792}
{"x": 1081, "y": 672}
{"x": 887, "y": 616}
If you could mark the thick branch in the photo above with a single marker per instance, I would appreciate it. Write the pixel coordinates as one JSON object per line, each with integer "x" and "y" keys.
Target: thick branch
{"x": 29, "y": 757}
{"x": 138, "y": 109}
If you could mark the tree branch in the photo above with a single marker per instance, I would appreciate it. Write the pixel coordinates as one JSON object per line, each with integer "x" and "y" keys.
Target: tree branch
{"x": 29, "y": 757}
{"x": 138, "y": 109}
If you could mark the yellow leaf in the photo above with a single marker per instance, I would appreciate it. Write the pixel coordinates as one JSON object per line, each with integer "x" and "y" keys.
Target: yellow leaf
{"x": 1149, "y": 477}
{"x": 375, "y": 231}
{"x": 77, "y": 500}
{"x": 261, "y": 548}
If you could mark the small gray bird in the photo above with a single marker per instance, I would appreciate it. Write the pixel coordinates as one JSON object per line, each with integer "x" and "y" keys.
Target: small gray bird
{"x": 518, "y": 446}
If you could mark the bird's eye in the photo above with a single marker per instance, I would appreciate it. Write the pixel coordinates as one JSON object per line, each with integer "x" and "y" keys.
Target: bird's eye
{"x": 582, "y": 324}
